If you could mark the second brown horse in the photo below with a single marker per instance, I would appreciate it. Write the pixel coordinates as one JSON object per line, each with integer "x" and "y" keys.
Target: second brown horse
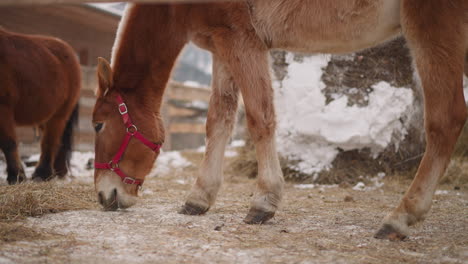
{"x": 39, "y": 86}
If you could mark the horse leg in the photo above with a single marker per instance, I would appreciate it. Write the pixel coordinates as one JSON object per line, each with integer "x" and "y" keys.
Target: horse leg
{"x": 220, "y": 122}
{"x": 15, "y": 171}
{"x": 438, "y": 47}
{"x": 258, "y": 99}
{"x": 248, "y": 61}
{"x": 50, "y": 143}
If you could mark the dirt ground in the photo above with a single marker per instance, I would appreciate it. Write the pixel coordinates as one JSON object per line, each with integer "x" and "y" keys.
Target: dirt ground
{"x": 316, "y": 224}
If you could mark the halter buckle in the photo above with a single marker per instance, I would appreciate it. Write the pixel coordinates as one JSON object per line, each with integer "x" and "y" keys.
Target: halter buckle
{"x": 129, "y": 180}
{"x": 132, "y": 130}
{"x": 123, "y": 109}
{"x": 113, "y": 166}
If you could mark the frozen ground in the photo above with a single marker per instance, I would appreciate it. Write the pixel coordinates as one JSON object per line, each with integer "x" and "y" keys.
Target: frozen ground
{"x": 316, "y": 224}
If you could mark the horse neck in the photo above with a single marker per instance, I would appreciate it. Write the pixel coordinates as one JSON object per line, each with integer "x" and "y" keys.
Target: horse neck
{"x": 149, "y": 41}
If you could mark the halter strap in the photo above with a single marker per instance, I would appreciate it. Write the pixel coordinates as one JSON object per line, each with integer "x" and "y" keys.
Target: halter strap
{"x": 132, "y": 131}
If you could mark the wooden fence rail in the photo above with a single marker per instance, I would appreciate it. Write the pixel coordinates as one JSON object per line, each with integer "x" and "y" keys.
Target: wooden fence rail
{"x": 48, "y": 2}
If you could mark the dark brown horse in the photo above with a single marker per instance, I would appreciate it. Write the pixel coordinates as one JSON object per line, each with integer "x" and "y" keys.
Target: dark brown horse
{"x": 39, "y": 86}
{"x": 240, "y": 35}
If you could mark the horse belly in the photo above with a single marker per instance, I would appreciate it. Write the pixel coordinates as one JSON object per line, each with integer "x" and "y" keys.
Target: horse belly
{"x": 333, "y": 26}
{"x": 39, "y": 96}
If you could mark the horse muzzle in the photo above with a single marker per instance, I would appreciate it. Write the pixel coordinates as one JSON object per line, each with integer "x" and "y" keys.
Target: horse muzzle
{"x": 112, "y": 194}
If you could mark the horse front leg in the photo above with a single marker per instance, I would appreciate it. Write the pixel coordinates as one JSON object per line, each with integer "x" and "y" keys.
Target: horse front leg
{"x": 249, "y": 64}
{"x": 220, "y": 122}
{"x": 8, "y": 144}
{"x": 438, "y": 47}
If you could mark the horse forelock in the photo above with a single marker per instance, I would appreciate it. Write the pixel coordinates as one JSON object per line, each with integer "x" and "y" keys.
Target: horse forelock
{"x": 120, "y": 31}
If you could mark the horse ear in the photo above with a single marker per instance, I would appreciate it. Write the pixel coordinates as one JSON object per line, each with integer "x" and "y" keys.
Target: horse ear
{"x": 105, "y": 76}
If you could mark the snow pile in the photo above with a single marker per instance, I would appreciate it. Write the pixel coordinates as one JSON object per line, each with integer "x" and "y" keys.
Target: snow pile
{"x": 311, "y": 132}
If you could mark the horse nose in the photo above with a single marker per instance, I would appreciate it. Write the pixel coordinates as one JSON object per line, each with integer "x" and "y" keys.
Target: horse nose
{"x": 110, "y": 203}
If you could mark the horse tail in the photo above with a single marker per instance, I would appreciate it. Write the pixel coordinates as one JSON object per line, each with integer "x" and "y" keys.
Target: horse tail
{"x": 62, "y": 160}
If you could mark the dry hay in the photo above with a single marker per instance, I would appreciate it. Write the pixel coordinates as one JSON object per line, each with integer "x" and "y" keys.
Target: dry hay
{"x": 36, "y": 199}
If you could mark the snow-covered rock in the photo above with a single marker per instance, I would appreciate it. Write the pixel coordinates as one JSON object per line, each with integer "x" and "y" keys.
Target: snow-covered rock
{"x": 312, "y": 132}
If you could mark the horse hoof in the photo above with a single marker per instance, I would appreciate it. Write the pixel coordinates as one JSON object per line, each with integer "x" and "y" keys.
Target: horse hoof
{"x": 192, "y": 209}
{"x": 37, "y": 179}
{"x": 258, "y": 216}
{"x": 389, "y": 232}
{"x": 42, "y": 175}
{"x": 18, "y": 179}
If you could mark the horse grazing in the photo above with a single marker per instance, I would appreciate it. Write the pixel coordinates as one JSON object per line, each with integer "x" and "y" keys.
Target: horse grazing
{"x": 39, "y": 86}
{"x": 240, "y": 35}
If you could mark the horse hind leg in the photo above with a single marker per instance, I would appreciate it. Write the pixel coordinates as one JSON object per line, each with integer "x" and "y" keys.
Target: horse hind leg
{"x": 258, "y": 100}
{"x": 438, "y": 47}
{"x": 15, "y": 171}
{"x": 50, "y": 145}
{"x": 62, "y": 158}
{"x": 220, "y": 122}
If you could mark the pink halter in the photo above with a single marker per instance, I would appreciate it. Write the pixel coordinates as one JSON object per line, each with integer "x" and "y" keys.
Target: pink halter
{"x": 132, "y": 131}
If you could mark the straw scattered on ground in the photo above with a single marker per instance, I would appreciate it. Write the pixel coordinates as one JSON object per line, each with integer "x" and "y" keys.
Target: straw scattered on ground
{"x": 36, "y": 199}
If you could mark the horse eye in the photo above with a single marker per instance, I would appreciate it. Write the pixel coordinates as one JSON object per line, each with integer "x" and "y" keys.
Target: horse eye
{"x": 98, "y": 126}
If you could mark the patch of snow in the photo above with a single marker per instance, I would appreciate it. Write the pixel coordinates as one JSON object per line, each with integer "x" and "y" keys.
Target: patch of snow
{"x": 321, "y": 187}
{"x": 79, "y": 164}
{"x": 377, "y": 183}
{"x": 238, "y": 143}
{"x": 198, "y": 104}
{"x": 230, "y": 153}
{"x": 168, "y": 161}
{"x": 35, "y": 157}
{"x": 412, "y": 253}
{"x": 146, "y": 192}
{"x": 441, "y": 192}
{"x": 304, "y": 186}
{"x": 201, "y": 149}
{"x": 181, "y": 181}
{"x": 194, "y": 84}
{"x": 311, "y": 131}
{"x": 360, "y": 186}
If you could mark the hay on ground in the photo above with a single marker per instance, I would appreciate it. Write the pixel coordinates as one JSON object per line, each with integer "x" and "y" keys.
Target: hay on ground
{"x": 36, "y": 199}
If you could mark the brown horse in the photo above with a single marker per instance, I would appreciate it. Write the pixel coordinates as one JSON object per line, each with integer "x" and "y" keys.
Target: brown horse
{"x": 39, "y": 86}
{"x": 240, "y": 34}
